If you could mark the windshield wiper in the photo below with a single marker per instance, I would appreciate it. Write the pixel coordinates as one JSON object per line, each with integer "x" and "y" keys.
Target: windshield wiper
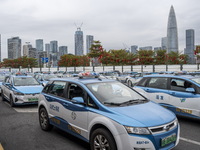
{"x": 111, "y": 103}
{"x": 135, "y": 101}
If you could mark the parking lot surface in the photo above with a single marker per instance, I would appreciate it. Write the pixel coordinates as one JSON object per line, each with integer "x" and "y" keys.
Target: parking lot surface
{"x": 19, "y": 129}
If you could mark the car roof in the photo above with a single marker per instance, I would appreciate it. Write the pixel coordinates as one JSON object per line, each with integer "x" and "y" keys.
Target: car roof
{"x": 172, "y": 76}
{"x": 83, "y": 80}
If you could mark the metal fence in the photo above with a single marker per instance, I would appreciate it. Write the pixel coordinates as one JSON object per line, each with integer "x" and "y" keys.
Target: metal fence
{"x": 136, "y": 68}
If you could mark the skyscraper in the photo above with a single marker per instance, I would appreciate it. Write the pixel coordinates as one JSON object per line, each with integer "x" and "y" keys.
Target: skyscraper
{"x": 39, "y": 44}
{"x": 164, "y": 43}
{"x": 134, "y": 49}
{"x": 62, "y": 50}
{"x": 53, "y": 46}
{"x": 26, "y": 49}
{"x": 47, "y": 47}
{"x": 79, "y": 42}
{"x": 89, "y": 41}
{"x": 172, "y": 32}
{"x": 14, "y": 48}
{"x": 190, "y": 45}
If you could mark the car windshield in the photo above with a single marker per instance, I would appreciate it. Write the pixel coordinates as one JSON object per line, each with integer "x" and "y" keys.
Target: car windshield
{"x": 114, "y": 93}
{"x": 25, "y": 81}
{"x": 197, "y": 80}
{"x": 49, "y": 76}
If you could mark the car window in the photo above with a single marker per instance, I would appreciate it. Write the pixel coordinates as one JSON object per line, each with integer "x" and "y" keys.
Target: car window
{"x": 158, "y": 82}
{"x": 142, "y": 82}
{"x": 113, "y": 92}
{"x": 25, "y": 81}
{"x": 180, "y": 85}
{"x": 57, "y": 88}
{"x": 75, "y": 90}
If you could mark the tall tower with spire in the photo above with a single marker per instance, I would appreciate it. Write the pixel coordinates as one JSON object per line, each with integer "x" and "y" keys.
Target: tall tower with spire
{"x": 172, "y": 32}
{"x": 79, "y": 42}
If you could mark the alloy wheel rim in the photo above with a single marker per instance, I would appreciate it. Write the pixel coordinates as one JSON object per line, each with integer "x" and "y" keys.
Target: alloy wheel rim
{"x": 101, "y": 143}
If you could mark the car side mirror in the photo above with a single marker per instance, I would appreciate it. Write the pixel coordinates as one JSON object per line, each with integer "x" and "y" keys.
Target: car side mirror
{"x": 191, "y": 90}
{"x": 78, "y": 100}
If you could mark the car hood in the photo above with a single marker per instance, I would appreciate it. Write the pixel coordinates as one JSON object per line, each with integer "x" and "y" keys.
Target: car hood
{"x": 29, "y": 89}
{"x": 143, "y": 115}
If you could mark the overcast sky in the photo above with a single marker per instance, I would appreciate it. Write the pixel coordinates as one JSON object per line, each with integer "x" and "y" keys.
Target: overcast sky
{"x": 116, "y": 23}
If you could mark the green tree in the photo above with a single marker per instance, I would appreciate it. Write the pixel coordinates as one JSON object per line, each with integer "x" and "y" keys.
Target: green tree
{"x": 146, "y": 57}
{"x": 160, "y": 57}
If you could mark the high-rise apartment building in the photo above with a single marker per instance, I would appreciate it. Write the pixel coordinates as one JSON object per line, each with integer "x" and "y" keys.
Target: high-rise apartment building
{"x": 190, "y": 45}
{"x": 39, "y": 44}
{"x": 47, "y": 48}
{"x": 89, "y": 41}
{"x": 134, "y": 49}
{"x": 53, "y": 46}
{"x": 32, "y": 53}
{"x": 164, "y": 43}
{"x": 146, "y": 48}
{"x": 14, "y": 48}
{"x": 62, "y": 50}
{"x": 172, "y": 32}
{"x": 26, "y": 49}
{"x": 79, "y": 42}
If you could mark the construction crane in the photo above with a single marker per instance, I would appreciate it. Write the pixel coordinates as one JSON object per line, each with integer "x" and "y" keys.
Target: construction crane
{"x": 78, "y": 27}
{"x": 126, "y": 47}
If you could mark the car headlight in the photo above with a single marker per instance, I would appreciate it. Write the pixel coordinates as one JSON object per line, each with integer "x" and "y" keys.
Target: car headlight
{"x": 18, "y": 93}
{"x": 137, "y": 130}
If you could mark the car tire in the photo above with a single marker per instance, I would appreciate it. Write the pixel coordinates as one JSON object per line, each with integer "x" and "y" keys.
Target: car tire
{"x": 2, "y": 95}
{"x": 129, "y": 83}
{"x": 11, "y": 101}
{"x": 102, "y": 139}
{"x": 44, "y": 120}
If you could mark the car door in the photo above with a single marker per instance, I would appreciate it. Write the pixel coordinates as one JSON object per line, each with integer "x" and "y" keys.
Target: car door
{"x": 182, "y": 101}
{"x": 76, "y": 114}
{"x": 7, "y": 87}
{"x": 155, "y": 89}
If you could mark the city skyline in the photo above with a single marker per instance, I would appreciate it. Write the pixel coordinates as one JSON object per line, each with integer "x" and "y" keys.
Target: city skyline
{"x": 138, "y": 22}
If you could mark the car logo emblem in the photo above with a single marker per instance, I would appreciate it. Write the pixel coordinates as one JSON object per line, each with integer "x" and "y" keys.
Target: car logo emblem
{"x": 73, "y": 115}
{"x": 166, "y": 128}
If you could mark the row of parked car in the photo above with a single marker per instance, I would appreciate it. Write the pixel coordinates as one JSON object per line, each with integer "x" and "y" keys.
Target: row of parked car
{"x": 106, "y": 113}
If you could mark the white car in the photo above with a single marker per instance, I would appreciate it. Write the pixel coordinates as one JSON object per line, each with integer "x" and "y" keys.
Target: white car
{"x": 20, "y": 90}
{"x": 107, "y": 114}
{"x": 180, "y": 94}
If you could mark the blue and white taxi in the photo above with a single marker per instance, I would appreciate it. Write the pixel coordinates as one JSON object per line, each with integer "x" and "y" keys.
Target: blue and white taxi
{"x": 180, "y": 94}
{"x": 107, "y": 114}
{"x": 20, "y": 90}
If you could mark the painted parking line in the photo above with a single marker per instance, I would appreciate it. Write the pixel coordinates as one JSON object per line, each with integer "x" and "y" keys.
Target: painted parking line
{"x": 190, "y": 141}
{"x": 24, "y": 110}
{"x": 1, "y": 147}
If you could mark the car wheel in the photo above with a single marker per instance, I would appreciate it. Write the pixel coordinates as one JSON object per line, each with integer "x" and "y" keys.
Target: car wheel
{"x": 101, "y": 139}
{"x": 129, "y": 83}
{"x": 2, "y": 95}
{"x": 11, "y": 102}
{"x": 44, "y": 120}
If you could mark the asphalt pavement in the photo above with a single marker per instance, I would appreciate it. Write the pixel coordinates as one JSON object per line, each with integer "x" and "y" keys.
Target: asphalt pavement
{"x": 20, "y": 130}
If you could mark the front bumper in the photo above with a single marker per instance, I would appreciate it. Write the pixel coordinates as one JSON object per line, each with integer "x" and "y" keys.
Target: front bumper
{"x": 26, "y": 99}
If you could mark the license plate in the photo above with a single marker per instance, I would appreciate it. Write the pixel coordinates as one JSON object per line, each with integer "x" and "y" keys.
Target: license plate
{"x": 168, "y": 140}
{"x": 32, "y": 99}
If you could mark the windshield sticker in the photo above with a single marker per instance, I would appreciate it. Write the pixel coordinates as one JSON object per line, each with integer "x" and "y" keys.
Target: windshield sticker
{"x": 184, "y": 111}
